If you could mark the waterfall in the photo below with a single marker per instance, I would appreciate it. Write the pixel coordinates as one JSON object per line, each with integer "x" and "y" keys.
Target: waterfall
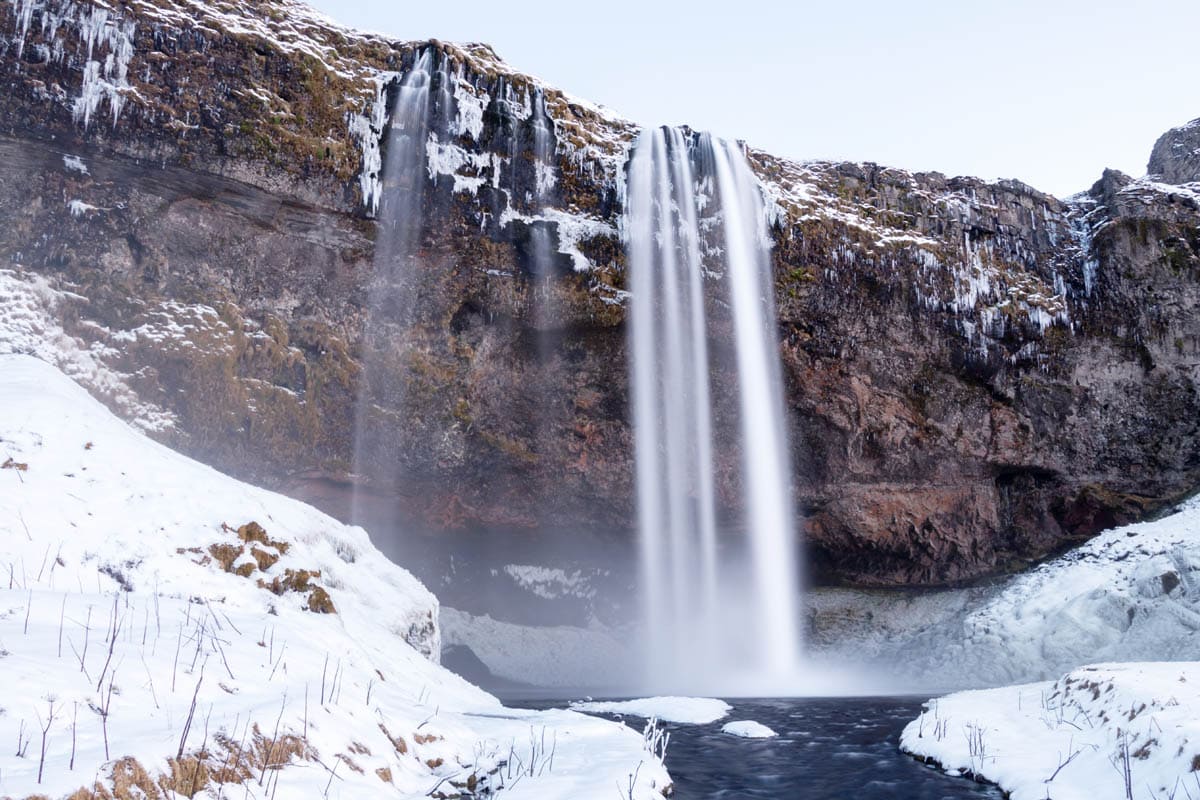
{"x": 697, "y": 238}
{"x": 390, "y": 308}
{"x": 541, "y": 239}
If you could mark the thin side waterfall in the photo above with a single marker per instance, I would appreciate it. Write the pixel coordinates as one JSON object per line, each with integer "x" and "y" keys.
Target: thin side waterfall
{"x": 545, "y": 179}
{"x": 697, "y": 237}
{"x": 389, "y": 302}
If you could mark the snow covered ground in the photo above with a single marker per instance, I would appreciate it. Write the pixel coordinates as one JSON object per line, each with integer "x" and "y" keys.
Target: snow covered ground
{"x": 1130, "y": 594}
{"x": 1114, "y": 731}
{"x": 1126, "y": 731}
{"x": 171, "y": 629}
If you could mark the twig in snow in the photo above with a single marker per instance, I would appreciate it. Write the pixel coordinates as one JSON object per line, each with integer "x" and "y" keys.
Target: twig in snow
{"x": 112, "y": 643}
{"x": 45, "y": 731}
{"x": 87, "y": 635}
{"x": 332, "y": 772}
{"x": 323, "y": 669}
{"x": 80, "y": 658}
{"x": 74, "y": 720}
{"x": 200, "y": 755}
{"x": 45, "y": 558}
{"x": 274, "y": 739}
{"x": 282, "y": 650}
{"x": 150, "y": 677}
{"x": 61, "y": 615}
{"x": 175, "y": 666}
{"x": 187, "y": 725}
{"x": 22, "y": 746}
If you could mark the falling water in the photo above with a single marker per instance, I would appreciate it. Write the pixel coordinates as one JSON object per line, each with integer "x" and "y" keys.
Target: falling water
{"x": 540, "y": 235}
{"x": 389, "y": 301}
{"x": 694, "y": 212}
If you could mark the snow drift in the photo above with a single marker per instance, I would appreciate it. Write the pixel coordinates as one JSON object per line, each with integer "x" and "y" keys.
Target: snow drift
{"x": 1106, "y": 732}
{"x": 174, "y": 630}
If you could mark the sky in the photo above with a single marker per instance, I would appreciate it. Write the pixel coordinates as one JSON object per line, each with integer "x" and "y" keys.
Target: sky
{"x": 1048, "y": 92}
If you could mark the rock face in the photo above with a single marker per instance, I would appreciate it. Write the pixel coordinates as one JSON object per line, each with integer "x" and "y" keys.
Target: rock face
{"x": 978, "y": 373}
{"x": 1176, "y": 155}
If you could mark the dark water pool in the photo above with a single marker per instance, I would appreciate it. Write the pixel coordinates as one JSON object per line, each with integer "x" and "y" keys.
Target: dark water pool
{"x": 827, "y": 749}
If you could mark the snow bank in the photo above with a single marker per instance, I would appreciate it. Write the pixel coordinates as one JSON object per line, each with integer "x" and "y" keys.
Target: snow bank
{"x": 1130, "y": 594}
{"x": 748, "y": 729}
{"x": 160, "y": 639}
{"x": 684, "y": 710}
{"x": 1109, "y": 731}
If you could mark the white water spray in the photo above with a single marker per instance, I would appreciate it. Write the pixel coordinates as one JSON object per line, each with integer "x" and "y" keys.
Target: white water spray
{"x": 694, "y": 212}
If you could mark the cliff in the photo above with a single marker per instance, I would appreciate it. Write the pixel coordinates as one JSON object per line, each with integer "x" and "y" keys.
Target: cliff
{"x": 978, "y": 373}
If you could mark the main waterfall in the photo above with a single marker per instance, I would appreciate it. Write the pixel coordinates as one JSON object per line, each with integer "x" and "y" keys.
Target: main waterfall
{"x": 697, "y": 240}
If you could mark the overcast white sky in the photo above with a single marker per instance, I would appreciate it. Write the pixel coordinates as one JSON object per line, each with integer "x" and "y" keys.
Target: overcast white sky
{"x": 1049, "y": 92}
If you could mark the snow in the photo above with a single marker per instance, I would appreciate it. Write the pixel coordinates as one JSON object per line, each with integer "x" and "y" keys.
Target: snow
{"x": 682, "y": 710}
{"x": 572, "y": 228}
{"x": 79, "y": 208}
{"x": 551, "y": 583}
{"x": 30, "y": 314}
{"x": 1108, "y": 731}
{"x": 116, "y": 611}
{"x": 367, "y": 130}
{"x": 748, "y": 729}
{"x": 561, "y": 656}
{"x": 1130, "y": 594}
{"x": 450, "y": 159}
{"x": 75, "y": 164}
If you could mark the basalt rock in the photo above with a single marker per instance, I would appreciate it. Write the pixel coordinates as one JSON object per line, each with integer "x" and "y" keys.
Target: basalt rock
{"x": 1176, "y": 155}
{"x": 978, "y": 373}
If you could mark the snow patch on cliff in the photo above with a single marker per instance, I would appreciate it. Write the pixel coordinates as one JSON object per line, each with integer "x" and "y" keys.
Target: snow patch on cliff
{"x": 551, "y": 583}
{"x": 75, "y": 164}
{"x": 450, "y": 160}
{"x": 367, "y": 129}
{"x": 572, "y": 228}
{"x": 30, "y": 314}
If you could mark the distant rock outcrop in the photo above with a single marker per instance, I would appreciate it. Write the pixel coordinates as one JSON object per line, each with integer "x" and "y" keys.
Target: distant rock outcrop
{"x": 1176, "y": 155}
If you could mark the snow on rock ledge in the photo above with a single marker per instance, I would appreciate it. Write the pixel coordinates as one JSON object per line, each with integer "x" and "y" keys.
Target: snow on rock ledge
{"x": 178, "y": 630}
{"x": 1087, "y": 736}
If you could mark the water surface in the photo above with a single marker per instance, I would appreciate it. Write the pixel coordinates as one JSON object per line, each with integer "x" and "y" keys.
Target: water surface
{"x": 827, "y": 749}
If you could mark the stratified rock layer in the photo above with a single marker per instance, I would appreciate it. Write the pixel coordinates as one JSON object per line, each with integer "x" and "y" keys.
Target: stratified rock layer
{"x": 978, "y": 373}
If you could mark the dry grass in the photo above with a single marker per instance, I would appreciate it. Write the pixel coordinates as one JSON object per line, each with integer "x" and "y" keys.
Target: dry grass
{"x": 397, "y": 741}
{"x": 227, "y": 762}
{"x": 300, "y": 581}
{"x": 253, "y": 532}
